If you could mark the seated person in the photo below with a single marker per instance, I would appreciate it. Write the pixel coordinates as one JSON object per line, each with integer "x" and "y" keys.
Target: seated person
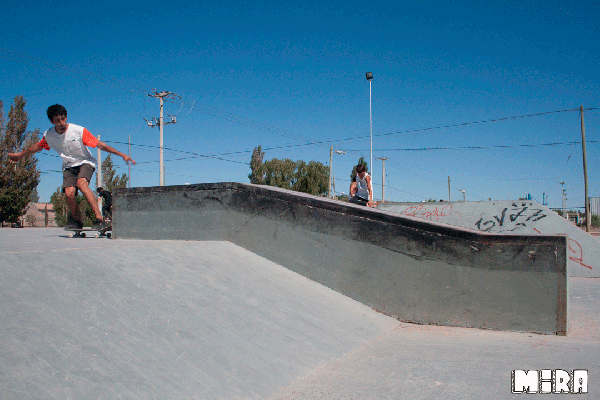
{"x": 361, "y": 190}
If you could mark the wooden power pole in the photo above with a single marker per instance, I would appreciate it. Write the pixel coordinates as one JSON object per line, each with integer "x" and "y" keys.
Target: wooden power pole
{"x": 160, "y": 125}
{"x": 383, "y": 178}
{"x": 585, "y": 176}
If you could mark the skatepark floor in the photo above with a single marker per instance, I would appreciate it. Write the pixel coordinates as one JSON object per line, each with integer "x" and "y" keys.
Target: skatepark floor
{"x": 94, "y": 318}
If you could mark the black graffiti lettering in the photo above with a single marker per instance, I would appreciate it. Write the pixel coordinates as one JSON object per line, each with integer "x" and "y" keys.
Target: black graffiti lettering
{"x": 513, "y": 217}
{"x": 537, "y": 216}
{"x": 485, "y": 228}
{"x": 501, "y": 220}
{"x": 518, "y": 217}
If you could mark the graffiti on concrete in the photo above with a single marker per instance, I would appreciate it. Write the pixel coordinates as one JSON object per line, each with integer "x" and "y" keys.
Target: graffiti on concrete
{"x": 511, "y": 218}
{"x": 576, "y": 253}
{"x": 426, "y": 212}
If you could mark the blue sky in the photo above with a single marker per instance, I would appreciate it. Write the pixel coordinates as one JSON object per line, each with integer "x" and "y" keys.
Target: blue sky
{"x": 284, "y": 74}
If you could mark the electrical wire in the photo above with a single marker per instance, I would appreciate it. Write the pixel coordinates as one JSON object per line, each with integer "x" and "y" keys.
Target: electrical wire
{"x": 486, "y": 147}
{"x": 69, "y": 70}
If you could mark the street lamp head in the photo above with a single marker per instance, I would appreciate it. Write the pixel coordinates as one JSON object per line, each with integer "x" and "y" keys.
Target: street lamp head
{"x": 369, "y": 76}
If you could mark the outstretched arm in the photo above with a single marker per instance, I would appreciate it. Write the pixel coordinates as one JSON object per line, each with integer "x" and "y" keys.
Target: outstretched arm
{"x": 14, "y": 157}
{"x": 105, "y": 147}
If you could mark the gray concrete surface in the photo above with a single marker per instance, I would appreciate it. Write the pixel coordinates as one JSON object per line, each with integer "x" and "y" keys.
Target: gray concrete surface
{"x": 409, "y": 268}
{"x": 95, "y": 318}
{"x": 509, "y": 217}
{"x": 133, "y": 319}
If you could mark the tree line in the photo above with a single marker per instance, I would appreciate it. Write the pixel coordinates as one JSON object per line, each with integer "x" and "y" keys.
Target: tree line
{"x": 312, "y": 177}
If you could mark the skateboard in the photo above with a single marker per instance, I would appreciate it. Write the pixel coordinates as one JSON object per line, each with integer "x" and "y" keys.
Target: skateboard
{"x": 81, "y": 232}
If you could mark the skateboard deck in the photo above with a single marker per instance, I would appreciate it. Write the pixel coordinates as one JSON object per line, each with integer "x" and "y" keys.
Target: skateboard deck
{"x": 82, "y": 232}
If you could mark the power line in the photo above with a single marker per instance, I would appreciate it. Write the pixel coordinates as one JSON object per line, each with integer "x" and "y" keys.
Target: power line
{"x": 330, "y": 141}
{"x": 487, "y": 147}
{"x": 69, "y": 70}
{"x": 463, "y": 124}
{"x": 219, "y": 156}
{"x": 195, "y": 155}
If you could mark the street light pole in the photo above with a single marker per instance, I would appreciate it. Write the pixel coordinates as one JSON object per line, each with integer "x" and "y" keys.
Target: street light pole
{"x": 331, "y": 177}
{"x": 370, "y": 78}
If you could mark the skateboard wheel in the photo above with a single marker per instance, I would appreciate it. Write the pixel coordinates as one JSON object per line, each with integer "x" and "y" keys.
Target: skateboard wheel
{"x": 82, "y": 234}
{"x": 108, "y": 235}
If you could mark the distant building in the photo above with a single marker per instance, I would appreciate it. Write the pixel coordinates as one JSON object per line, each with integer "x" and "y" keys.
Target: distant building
{"x": 594, "y": 205}
{"x": 39, "y": 214}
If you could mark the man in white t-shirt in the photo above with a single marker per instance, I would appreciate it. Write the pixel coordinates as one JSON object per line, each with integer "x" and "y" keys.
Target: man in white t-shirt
{"x": 71, "y": 141}
{"x": 361, "y": 190}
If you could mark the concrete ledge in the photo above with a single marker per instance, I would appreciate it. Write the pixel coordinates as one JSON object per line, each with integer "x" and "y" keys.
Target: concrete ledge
{"x": 415, "y": 270}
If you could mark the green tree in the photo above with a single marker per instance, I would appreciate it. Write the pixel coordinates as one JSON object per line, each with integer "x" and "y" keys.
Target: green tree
{"x": 280, "y": 173}
{"x": 35, "y": 197}
{"x": 362, "y": 161}
{"x": 17, "y": 180}
{"x": 311, "y": 178}
{"x": 257, "y": 174}
{"x": 30, "y": 219}
{"x": 61, "y": 209}
{"x": 110, "y": 179}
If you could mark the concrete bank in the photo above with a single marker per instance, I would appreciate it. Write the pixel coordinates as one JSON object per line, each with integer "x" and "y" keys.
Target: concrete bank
{"x": 416, "y": 270}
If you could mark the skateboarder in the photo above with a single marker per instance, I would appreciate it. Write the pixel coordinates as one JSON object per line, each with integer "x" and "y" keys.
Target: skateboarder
{"x": 71, "y": 141}
{"x": 361, "y": 190}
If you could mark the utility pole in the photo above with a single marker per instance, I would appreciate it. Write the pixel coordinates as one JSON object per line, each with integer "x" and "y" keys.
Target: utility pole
{"x": 330, "y": 169}
{"x": 160, "y": 124}
{"x": 383, "y": 178}
{"x": 331, "y": 177}
{"x": 99, "y": 175}
{"x": 585, "y": 176}
{"x": 564, "y": 198}
{"x": 333, "y": 180}
{"x": 129, "y": 164}
{"x": 448, "y": 188}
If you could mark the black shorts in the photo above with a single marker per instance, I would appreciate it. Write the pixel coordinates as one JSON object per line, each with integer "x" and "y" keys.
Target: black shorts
{"x": 72, "y": 174}
{"x": 358, "y": 200}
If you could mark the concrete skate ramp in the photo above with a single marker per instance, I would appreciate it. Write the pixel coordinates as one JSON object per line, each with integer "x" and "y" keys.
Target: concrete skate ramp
{"x": 415, "y": 270}
{"x": 126, "y": 319}
{"x": 510, "y": 217}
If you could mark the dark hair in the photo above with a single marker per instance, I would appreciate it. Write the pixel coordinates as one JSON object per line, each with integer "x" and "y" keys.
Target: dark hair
{"x": 55, "y": 110}
{"x": 360, "y": 168}
{"x": 99, "y": 189}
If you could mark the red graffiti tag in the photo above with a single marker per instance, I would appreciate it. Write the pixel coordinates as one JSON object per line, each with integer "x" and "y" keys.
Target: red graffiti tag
{"x": 422, "y": 212}
{"x": 577, "y": 251}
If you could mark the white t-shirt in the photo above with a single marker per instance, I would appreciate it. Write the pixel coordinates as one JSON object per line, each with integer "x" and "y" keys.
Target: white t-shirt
{"x": 71, "y": 145}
